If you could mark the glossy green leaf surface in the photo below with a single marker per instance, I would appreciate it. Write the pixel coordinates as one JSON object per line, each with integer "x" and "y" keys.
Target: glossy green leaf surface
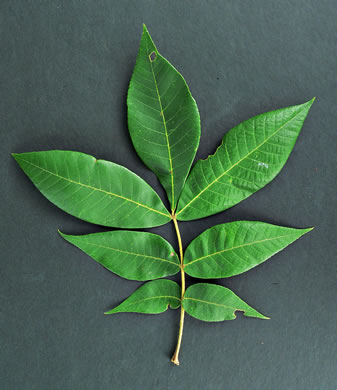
{"x": 209, "y": 302}
{"x": 163, "y": 118}
{"x": 250, "y": 156}
{"x": 96, "y": 191}
{"x": 151, "y": 298}
{"x": 233, "y": 248}
{"x": 131, "y": 255}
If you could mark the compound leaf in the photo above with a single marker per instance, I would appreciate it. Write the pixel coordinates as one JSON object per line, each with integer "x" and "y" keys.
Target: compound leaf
{"x": 96, "y": 191}
{"x": 151, "y": 298}
{"x": 163, "y": 118}
{"x": 233, "y": 248}
{"x": 209, "y": 302}
{"x": 131, "y": 255}
{"x": 250, "y": 156}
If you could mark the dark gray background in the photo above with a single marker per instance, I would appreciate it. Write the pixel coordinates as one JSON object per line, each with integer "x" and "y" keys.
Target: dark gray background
{"x": 65, "y": 68}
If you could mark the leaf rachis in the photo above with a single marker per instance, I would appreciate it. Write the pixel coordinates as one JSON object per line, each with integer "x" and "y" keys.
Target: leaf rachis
{"x": 175, "y": 357}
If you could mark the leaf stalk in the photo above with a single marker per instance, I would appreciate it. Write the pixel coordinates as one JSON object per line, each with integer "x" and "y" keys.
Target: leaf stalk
{"x": 175, "y": 357}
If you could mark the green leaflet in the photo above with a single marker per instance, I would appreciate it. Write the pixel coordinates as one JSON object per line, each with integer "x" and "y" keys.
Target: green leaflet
{"x": 131, "y": 255}
{"x": 233, "y": 248}
{"x": 96, "y": 191}
{"x": 250, "y": 156}
{"x": 151, "y": 298}
{"x": 209, "y": 302}
{"x": 163, "y": 118}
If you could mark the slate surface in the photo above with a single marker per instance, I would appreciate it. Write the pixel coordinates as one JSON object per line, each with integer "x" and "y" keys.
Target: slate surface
{"x": 65, "y": 67}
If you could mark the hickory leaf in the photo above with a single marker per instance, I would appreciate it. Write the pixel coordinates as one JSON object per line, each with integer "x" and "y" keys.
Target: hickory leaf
{"x": 131, "y": 255}
{"x": 163, "y": 118}
{"x": 250, "y": 156}
{"x": 164, "y": 126}
{"x": 209, "y": 302}
{"x": 236, "y": 247}
{"x": 96, "y": 191}
{"x": 151, "y": 298}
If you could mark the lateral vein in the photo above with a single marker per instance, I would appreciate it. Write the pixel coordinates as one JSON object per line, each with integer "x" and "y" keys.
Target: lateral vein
{"x": 165, "y": 128}
{"x": 95, "y": 189}
{"x": 243, "y": 158}
{"x": 236, "y": 247}
{"x": 127, "y": 252}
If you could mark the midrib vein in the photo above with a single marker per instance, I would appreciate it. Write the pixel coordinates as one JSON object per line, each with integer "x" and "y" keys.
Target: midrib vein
{"x": 149, "y": 298}
{"x": 165, "y": 128}
{"x": 127, "y": 252}
{"x": 238, "y": 162}
{"x": 236, "y": 247}
{"x": 209, "y": 303}
{"x": 94, "y": 188}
